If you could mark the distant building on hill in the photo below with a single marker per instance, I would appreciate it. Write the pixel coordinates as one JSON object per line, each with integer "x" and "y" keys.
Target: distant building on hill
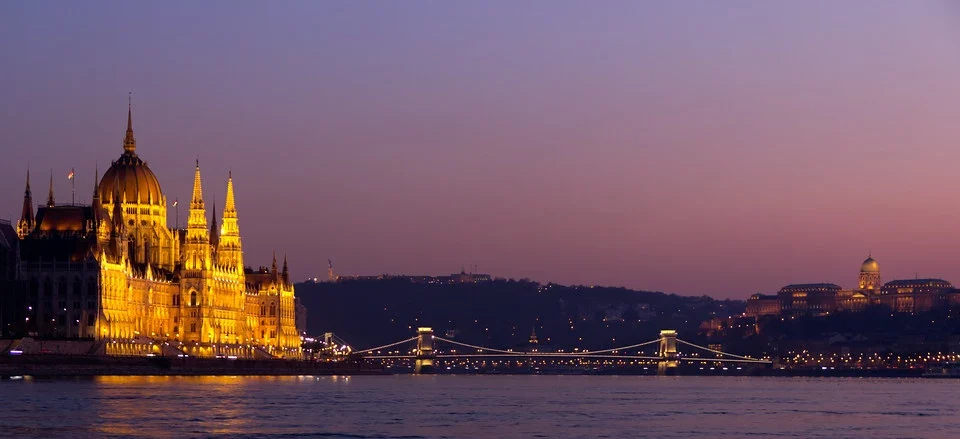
{"x": 906, "y": 295}
{"x": 456, "y": 278}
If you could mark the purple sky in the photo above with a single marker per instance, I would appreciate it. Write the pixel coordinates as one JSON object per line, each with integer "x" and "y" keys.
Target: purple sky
{"x": 720, "y": 148}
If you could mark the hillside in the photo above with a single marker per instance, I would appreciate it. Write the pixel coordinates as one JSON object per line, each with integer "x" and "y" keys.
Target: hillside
{"x": 502, "y": 313}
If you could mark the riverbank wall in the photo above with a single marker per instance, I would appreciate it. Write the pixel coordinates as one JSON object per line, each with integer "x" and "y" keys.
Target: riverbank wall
{"x": 51, "y": 365}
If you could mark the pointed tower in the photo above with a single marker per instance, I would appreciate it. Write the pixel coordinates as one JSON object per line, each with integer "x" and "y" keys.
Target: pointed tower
{"x": 27, "y": 220}
{"x": 95, "y": 202}
{"x": 50, "y": 200}
{"x": 230, "y": 250}
{"x": 286, "y": 273}
{"x": 196, "y": 248}
{"x": 129, "y": 142}
{"x": 273, "y": 267}
{"x": 118, "y": 235}
{"x": 214, "y": 233}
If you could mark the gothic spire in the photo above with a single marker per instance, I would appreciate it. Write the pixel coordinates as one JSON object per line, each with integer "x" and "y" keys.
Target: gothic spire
{"x": 96, "y": 183}
{"x": 229, "y": 247}
{"x": 273, "y": 268}
{"x": 27, "y": 212}
{"x": 197, "y": 220}
{"x": 230, "y": 208}
{"x": 214, "y": 233}
{"x": 129, "y": 142}
{"x": 50, "y": 200}
{"x": 95, "y": 201}
{"x": 26, "y": 223}
{"x": 196, "y": 201}
{"x": 286, "y": 273}
{"x": 117, "y": 209}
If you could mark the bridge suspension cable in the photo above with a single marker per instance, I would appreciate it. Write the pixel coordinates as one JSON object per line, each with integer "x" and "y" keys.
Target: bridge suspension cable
{"x": 548, "y": 354}
{"x": 551, "y": 354}
{"x": 718, "y": 352}
{"x": 624, "y": 347}
{"x": 472, "y": 346}
{"x": 387, "y": 345}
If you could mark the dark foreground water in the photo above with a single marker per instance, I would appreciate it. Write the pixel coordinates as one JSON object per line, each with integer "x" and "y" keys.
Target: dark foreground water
{"x": 479, "y": 407}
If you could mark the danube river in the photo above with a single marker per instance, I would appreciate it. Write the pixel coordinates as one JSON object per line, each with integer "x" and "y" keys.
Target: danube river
{"x": 498, "y": 407}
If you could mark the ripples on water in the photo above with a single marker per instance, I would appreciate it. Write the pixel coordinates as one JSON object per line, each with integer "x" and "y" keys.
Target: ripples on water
{"x": 479, "y": 407}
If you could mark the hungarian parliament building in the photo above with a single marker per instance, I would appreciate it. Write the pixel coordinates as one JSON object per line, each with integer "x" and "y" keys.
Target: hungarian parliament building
{"x": 114, "y": 272}
{"x": 905, "y": 295}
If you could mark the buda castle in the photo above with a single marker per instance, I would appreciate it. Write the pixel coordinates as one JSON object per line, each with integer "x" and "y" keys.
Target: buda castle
{"x": 903, "y": 295}
{"x": 114, "y": 271}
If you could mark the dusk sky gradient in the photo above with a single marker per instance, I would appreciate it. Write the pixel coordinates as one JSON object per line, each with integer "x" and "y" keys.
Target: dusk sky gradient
{"x": 718, "y": 148}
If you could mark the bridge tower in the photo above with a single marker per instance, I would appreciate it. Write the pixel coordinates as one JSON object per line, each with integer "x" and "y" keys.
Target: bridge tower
{"x": 669, "y": 359}
{"x": 424, "y": 361}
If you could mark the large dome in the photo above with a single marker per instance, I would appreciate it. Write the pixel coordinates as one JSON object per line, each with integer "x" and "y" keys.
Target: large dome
{"x": 130, "y": 177}
{"x": 870, "y": 266}
{"x": 133, "y": 180}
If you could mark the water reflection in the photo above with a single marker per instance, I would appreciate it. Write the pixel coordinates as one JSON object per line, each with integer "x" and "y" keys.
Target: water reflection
{"x": 477, "y": 406}
{"x": 131, "y": 405}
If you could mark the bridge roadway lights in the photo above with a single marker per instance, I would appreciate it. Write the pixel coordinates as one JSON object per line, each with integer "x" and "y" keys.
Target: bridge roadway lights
{"x": 425, "y": 354}
{"x": 668, "y": 353}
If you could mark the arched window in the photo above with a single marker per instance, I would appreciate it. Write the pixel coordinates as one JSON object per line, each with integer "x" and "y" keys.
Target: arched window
{"x": 273, "y": 310}
{"x": 176, "y": 300}
{"x": 193, "y": 298}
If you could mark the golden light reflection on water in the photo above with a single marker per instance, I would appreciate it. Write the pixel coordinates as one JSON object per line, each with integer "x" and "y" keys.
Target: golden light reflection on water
{"x": 210, "y": 404}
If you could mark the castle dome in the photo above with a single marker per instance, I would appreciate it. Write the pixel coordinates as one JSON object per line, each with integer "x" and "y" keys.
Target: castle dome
{"x": 130, "y": 176}
{"x": 870, "y": 266}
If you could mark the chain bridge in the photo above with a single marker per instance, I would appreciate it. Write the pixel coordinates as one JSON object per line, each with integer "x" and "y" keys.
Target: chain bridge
{"x": 424, "y": 352}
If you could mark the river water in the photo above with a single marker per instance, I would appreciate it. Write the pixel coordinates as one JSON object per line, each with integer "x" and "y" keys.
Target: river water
{"x": 407, "y": 406}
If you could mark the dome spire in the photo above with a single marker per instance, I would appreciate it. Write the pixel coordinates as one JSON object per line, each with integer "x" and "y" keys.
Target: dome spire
{"x": 129, "y": 142}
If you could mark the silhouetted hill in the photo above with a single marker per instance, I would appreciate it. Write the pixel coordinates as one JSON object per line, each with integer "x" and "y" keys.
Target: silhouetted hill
{"x": 502, "y": 313}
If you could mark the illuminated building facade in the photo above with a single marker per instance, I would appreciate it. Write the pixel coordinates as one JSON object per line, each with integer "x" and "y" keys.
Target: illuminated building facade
{"x": 869, "y": 278}
{"x": 116, "y": 272}
{"x": 759, "y": 305}
{"x": 908, "y": 295}
{"x": 913, "y": 295}
{"x": 808, "y": 298}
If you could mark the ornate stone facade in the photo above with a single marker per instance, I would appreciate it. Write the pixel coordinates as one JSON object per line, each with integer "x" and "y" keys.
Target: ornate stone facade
{"x": 116, "y": 272}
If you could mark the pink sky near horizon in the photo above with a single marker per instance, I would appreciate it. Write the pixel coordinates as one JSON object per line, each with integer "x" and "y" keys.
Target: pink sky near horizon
{"x": 687, "y": 147}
